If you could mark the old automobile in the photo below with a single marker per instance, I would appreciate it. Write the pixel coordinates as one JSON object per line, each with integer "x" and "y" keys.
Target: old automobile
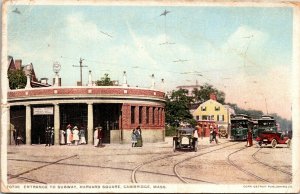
{"x": 273, "y": 137}
{"x": 185, "y": 139}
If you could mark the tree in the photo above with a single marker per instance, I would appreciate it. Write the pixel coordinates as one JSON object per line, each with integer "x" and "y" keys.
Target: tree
{"x": 203, "y": 94}
{"x": 105, "y": 81}
{"x": 177, "y": 108}
{"x": 17, "y": 79}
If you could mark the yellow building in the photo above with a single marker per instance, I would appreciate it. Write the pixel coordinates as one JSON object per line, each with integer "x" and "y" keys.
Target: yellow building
{"x": 211, "y": 110}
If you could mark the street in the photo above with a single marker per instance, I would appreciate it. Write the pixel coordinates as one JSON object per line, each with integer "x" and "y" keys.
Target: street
{"x": 226, "y": 163}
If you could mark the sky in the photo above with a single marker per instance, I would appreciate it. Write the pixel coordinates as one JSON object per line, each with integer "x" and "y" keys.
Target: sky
{"x": 245, "y": 52}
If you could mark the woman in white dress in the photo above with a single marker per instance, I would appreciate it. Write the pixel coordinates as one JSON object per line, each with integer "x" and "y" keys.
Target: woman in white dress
{"x": 62, "y": 137}
{"x": 96, "y": 140}
{"x": 69, "y": 135}
{"x": 76, "y": 135}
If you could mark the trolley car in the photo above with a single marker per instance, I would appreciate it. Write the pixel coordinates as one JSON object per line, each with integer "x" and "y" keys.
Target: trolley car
{"x": 265, "y": 123}
{"x": 239, "y": 126}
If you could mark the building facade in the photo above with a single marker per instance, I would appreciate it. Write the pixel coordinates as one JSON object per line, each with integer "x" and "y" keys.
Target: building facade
{"x": 213, "y": 111}
{"x": 117, "y": 109}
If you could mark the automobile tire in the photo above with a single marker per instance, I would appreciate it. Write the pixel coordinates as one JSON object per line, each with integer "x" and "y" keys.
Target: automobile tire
{"x": 260, "y": 143}
{"x": 273, "y": 143}
{"x": 288, "y": 143}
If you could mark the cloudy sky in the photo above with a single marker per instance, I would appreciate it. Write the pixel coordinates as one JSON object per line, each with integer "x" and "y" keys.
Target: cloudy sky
{"x": 244, "y": 51}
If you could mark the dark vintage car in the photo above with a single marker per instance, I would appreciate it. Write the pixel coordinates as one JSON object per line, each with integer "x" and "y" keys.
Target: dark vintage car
{"x": 273, "y": 137}
{"x": 185, "y": 139}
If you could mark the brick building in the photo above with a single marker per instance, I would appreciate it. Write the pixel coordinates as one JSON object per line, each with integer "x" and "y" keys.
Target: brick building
{"x": 118, "y": 109}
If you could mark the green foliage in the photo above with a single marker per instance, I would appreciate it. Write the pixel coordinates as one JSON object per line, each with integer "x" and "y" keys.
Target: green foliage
{"x": 17, "y": 79}
{"x": 177, "y": 107}
{"x": 171, "y": 131}
{"x": 203, "y": 94}
{"x": 105, "y": 81}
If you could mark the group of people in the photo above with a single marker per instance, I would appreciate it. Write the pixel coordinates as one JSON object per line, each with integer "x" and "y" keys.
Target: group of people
{"x": 72, "y": 135}
{"x": 136, "y": 137}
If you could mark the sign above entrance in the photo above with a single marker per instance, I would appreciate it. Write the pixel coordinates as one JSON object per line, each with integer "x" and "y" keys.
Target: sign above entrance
{"x": 43, "y": 111}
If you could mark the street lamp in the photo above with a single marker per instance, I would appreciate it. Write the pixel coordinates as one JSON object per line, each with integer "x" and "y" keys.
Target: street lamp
{"x": 28, "y": 71}
{"x": 56, "y": 69}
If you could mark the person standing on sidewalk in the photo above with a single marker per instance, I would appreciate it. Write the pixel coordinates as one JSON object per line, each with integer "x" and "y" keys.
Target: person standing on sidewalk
{"x": 75, "y": 135}
{"x": 69, "y": 135}
{"x": 100, "y": 136}
{"x": 48, "y": 136}
{"x": 214, "y": 135}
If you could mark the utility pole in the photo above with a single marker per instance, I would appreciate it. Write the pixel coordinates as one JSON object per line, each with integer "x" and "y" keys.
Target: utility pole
{"x": 266, "y": 106}
{"x": 80, "y": 65}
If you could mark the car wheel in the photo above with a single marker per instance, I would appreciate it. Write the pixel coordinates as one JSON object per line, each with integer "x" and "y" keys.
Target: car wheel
{"x": 260, "y": 143}
{"x": 273, "y": 143}
{"x": 288, "y": 143}
{"x": 174, "y": 146}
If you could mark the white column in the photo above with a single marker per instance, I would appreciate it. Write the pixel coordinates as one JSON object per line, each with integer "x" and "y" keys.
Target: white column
{"x": 90, "y": 124}
{"x": 124, "y": 84}
{"x": 28, "y": 86}
{"x": 56, "y": 80}
{"x": 56, "y": 124}
{"x": 28, "y": 124}
{"x": 90, "y": 83}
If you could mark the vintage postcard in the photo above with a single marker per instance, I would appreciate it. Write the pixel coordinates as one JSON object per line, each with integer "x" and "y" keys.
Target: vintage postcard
{"x": 150, "y": 96}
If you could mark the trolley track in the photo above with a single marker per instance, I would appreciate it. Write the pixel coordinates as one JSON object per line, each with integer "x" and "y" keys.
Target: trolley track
{"x": 265, "y": 164}
{"x": 134, "y": 172}
{"x": 183, "y": 179}
{"x": 243, "y": 170}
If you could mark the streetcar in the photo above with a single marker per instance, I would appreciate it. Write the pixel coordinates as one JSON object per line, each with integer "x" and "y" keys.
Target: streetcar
{"x": 265, "y": 123}
{"x": 239, "y": 126}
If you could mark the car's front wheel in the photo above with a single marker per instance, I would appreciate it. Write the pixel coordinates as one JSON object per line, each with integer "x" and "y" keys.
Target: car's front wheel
{"x": 273, "y": 143}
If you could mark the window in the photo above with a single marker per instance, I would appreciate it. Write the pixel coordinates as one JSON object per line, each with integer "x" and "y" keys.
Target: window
{"x": 217, "y": 108}
{"x": 140, "y": 114}
{"x": 147, "y": 115}
{"x": 203, "y": 108}
{"x": 132, "y": 115}
{"x": 204, "y": 117}
{"x": 220, "y": 117}
{"x": 197, "y": 118}
{"x": 212, "y": 117}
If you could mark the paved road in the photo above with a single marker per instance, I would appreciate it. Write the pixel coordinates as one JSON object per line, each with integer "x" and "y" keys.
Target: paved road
{"x": 225, "y": 163}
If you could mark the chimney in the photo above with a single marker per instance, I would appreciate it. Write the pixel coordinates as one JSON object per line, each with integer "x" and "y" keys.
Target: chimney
{"x": 18, "y": 64}
{"x": 213, "y": 96}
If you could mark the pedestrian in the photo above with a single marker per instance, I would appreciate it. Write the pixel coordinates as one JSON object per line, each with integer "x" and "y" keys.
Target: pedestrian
{"x": 139, "y": 139}
{"x": 210, "y": 134}
{"x": 100, "y": 136}
{"x": 15, "y": 135}
{"x": 82, "y": 135}
{"x": 52, "y": 136}
{"x": 62, "y": 137}
{"x": 133, "y": 138}
{"x": 75, "y": 135}
{"x": 19, "y": 137}
{"x": 69, "y": 135}
{"x": 96, "y": 140}
{"x": 249, "y": 137}
{"x": 48, "y": 136}
{"x": 214, "y": 135}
